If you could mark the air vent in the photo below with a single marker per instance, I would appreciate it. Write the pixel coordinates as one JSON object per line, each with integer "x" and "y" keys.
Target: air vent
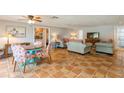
{"x": 55, "y": 17}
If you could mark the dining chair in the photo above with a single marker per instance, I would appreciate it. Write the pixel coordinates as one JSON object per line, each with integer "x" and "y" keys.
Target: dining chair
{"x": 22, "y": 56}
{"x": 38, "y": 43}
{"x": 1, "y": 53}
{"x": 13, "y": 48}
{"x": 49, "y": 49}
{"x": 46, "y": 53}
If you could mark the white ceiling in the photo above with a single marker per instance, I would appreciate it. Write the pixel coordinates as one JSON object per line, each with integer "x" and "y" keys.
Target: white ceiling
{"x": 73, "y": 21}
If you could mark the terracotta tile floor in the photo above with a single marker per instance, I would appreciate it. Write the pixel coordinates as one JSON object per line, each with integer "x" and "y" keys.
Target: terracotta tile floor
{"x": 70, "y": 65}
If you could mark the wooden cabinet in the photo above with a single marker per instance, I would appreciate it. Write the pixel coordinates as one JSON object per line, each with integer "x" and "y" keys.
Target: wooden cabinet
{"x": 93, "y": 41}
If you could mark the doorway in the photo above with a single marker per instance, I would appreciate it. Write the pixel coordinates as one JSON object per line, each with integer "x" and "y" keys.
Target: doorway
{"x": 42, "y": 34}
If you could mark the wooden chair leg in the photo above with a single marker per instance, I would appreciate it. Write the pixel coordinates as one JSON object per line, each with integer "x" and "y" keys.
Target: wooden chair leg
{"x": 14, "y": 66}
{"x": 24, "y": 68}
{"x": 12, "y": 60}
{"x": 49, "y": 60}
{"x": 50, "y": 57}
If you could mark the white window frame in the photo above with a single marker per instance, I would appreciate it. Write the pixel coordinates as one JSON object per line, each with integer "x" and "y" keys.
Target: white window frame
{"x": 118, "y": 37}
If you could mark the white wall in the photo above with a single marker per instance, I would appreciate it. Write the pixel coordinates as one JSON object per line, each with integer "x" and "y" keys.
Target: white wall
{"x": 63, "y": 32}
{"x": 106, "y": 32}
{"x": 29, "y": 32}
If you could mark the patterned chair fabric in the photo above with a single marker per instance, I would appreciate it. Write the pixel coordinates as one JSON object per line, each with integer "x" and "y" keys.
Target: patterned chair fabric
{"x": 1, "y": 50}
{"x": 1, "y": 53}
{"x": 19, "y": 53}
{"x": 22, "y": 55}
{"x": 29, "y": 56}
{"x": 46, "y": 51}
{"x": 38, "y": 43}
{"x": 14, "y": 49}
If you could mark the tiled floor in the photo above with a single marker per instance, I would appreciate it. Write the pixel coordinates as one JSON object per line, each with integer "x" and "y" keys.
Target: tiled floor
{"x": 70, "y": 65}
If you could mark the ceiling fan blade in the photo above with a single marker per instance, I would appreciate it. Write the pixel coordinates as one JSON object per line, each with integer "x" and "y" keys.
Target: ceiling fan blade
{"x": 38, "y": 20}
{"x": 25, "y": 17}
{"x": 37, "y": 17}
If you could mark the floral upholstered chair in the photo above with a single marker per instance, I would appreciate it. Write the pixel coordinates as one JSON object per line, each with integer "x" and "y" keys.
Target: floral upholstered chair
{"x": 1, "y": 50}
{"x": 13, "y": 47}
{"x": 20, "y": 55}
{"x": 23, "y": 56}
{"x": 46, "y": 52}
{"x": 38, "y": 43}
{"x": 1, "y": 53}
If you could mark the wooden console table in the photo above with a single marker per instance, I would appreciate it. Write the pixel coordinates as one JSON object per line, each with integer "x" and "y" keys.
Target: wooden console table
{"x": 93, "y": 41}
{"x": 6, "y": 50}
{"x": 93, "y": 50}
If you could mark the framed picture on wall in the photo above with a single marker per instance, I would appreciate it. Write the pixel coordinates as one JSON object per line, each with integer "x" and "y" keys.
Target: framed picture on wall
{"x": 17, "y": 31}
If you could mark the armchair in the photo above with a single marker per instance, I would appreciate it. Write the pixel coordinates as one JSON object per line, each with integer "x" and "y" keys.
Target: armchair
{"x": 78, "y": 47}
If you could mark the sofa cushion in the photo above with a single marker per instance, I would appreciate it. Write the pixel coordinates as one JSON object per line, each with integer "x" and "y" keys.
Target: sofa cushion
{"x": 104, "y": 44}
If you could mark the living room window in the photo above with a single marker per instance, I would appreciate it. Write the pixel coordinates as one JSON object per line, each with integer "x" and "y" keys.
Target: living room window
{"x": 121, "y": 37}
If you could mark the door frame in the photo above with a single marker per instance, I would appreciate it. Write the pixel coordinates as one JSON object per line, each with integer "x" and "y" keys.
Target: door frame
{"x": 49, "y": 33}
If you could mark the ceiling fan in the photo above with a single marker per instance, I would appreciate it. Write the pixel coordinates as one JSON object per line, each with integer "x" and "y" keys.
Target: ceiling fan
{"x": 31, "y": 19}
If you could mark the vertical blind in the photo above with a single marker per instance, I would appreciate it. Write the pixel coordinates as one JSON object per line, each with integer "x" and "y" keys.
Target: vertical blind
{"x": 121, "y": 38}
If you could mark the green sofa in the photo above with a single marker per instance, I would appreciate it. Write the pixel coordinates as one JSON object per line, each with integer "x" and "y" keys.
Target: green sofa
{"x": 78, "y": 47}
{"x": 105, "y": 48}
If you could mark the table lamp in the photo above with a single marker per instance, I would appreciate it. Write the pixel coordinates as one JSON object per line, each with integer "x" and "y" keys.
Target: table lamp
{"x": 8, "y": 36}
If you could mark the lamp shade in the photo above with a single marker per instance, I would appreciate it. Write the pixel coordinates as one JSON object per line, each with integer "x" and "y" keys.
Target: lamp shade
{"x": 73, "y": 35}
{"x": 7, "y": 35}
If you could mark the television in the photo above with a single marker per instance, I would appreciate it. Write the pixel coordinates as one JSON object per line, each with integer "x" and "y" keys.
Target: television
{"x": 93, "y": 35}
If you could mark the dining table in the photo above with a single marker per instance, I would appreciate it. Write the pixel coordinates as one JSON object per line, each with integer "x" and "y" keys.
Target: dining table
{"x": 34, "y": 51}
{"x": 31, "y": 47}
{"x": 33, "y": 55}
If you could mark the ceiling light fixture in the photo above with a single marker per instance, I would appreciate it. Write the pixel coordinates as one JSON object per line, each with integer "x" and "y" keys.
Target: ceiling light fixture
{"x": 31, "y": 22}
